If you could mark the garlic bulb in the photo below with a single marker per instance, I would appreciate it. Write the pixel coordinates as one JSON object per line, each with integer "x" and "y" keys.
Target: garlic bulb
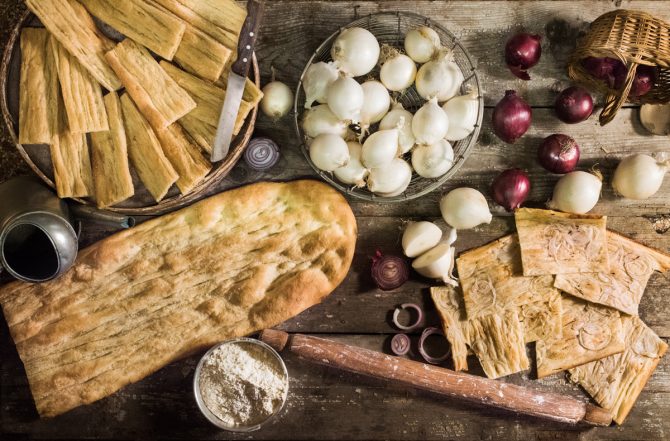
{"x": 437, "y": 263}
{"x": 380, "y": 148}
{"x": 319, "y": 120}
{"x": 401, "y": 119}
{"x": 440, "y": 78}
{"x": 433, "y": 160}
{"x": 390, "y": 179}
{"x": 316, "y": 80}
{"x": 329, "y": 152}
{"x": 422, "y": 44}
{"x": 462, "y": 112}
{"x": 345, "y": 99}
{"x": 420, "y": 237}
{"x": 430, "y": 123}
{"x": 354, "y": 173}
{"x": 376, "y": 103}
{"x": 465, "y": 208}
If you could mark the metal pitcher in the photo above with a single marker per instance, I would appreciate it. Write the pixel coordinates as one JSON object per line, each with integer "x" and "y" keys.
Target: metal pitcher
{"x": 39, "y": 232}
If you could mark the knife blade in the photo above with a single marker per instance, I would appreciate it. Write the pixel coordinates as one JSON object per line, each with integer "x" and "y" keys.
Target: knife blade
{"x": 236, "y": 80}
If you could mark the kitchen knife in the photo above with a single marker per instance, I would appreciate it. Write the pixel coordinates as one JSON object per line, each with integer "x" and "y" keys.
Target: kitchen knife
{"x": 236, "y": 80}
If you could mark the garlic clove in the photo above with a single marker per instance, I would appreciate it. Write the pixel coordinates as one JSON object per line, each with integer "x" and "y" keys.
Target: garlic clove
{"x": 437, "y": 263}
{"x": 420, "y": 237}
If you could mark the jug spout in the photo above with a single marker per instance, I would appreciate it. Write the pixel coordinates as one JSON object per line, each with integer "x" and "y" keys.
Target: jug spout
{"x": 106, "y": 217}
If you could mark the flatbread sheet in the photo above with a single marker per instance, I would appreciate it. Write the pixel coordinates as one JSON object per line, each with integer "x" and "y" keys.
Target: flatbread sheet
{"x": 185, "y": 157}
{"x": 201, "y": 55}
{"x": 590, "y": 332}
{"x": 622, "y": 287}
{"x": 615, "y": 382}
{"x": 74, "y": 28}
{"x": 561, "y": 243}
{"x": 493, "y": 282}
{"x": 38, "y": 89}
{"x": 160, "y": 99}
{"x": 109, "y": 158}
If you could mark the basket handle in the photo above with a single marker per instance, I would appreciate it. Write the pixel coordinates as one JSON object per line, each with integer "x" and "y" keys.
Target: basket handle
{"x": 613, "y": 102}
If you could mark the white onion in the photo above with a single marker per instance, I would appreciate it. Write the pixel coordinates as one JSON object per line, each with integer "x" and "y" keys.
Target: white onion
{"x": 355, "y": 51}
{"x": 380, "y": 148}
{"x": 329, "y": 152}
{"x": 430, "y": 123}
{"x": 465, "y": 208}
{"x": 345, "y": 99}
{"x": 577, "y": 192}
{"x": 440, "y": 78}
{"x": 639, "y": 176}
{"x": 353, "y": 173}
{"x": 277, "y": 99}
{"x": 462, "y": 112}
{"x": 433, "y": 160}
{"x": 319, "y": 120}
{"x": 376, "y": 103}
{"x": 422, "y": 44}
{"x": 401, "y": 119}
{"x": 398, "y": 70}
{"x": 316, "y": 80}
{"x": 419, "y": 237}
{"x": 437, "y": 263}
{"x": 391, "y": 179}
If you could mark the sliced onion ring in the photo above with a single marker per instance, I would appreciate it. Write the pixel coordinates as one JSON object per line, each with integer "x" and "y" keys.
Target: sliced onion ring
{"x": 261, "y": 154}
{"x": 400, "y": 344}
{"x": 429, "y": 358}
{"x": 419, "y": 316}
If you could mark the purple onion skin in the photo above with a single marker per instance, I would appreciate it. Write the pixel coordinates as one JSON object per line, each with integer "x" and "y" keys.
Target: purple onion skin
{"x": 388, "y": 271}
{"x": 558, "y": 153}
{"x": 511, "y": 117}
{"x": 645, "y": 77}
{"x": 522, "y": 52}
{"x": 574, "y": 105}
{"x": 510, "y": 188}
{"x": 601, "y": 68}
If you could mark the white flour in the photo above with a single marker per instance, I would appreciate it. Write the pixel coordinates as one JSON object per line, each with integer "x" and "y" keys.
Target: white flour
{"x": 242, "y": 384}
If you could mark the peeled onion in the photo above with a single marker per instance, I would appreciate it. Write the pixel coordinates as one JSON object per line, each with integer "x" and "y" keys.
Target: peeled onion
{"x": 398, "y": 70}
{"x": 376, "y": 103}
{"x": 430, "y": 123}
{"x": 277, "y": 100}
{"x": 329, "y": 152}
{"x": 401, "y": 119}
{"x": 462, "y": 112}
{"x": 465, "y": 208}
{"x": 354, "y": 173}
{"x": 320, "y": 119}
{"x": 420, "y": 237}
{"x": 422, "y": 44}
{"x": 433, "y": 160}
{"x": 437, "y": 263}
{"x": 316, "y": 80}
{"x": 440, "y": 78}
{"x": 391, "y": 179}
{"x": 380, "y": 148}
{"x": 355, "y": 51}
{"x": 346, "y": 98}
{"x": 511, "y": 117}
{"x": 639, "y": 176}
{"x": 577, "y": 192}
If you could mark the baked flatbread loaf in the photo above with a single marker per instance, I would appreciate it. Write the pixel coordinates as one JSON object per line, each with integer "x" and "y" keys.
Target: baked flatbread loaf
{"x": 561, "y": 243}
{"x": 227, "y": 266}
{"x": 615, "y": 382}
{"x": 631, "y": 265}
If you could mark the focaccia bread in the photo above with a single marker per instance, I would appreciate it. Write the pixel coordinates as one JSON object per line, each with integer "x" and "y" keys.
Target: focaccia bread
{"x": 227, "y": 266}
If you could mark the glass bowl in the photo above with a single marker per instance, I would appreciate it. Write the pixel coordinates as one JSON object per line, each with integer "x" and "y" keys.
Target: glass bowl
{"x": 201, "y": 403}
{"x": 390, "y": 28}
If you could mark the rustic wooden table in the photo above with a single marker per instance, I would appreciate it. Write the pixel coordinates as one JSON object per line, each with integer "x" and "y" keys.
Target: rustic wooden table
{"x": 325, "y": 403}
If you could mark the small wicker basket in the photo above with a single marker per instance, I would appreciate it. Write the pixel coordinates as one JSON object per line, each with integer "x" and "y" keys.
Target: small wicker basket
{"x": 635, "y": 38}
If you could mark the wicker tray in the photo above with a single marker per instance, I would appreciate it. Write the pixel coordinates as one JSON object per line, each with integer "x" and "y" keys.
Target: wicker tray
{"x": 38, "y": 158}
{"x": 390, "y": 28}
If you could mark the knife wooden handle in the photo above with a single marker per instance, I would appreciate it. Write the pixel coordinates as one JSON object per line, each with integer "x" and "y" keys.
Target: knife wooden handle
{"x": 524, "y": 400}
{"x": 248, "y": 35}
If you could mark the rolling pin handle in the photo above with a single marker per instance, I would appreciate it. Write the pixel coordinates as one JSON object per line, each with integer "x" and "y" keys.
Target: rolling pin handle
{"x": 276, "y": 339}
{"x": 597, "y": 416}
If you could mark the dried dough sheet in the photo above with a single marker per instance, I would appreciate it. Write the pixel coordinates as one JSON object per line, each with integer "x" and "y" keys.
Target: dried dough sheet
{"x": 590, "y": 332}
{"x": 622, "y": 287}
{"x": 201, "y": 55}
{"x": 615, "y": 382}
{"x": 145, "y": 152}
{"x": 496, "y": 339}
{"x": 561, "y": 243}
{"x": 150, "y": 26}
{"x": 109, "y": 158}
{"x": 74, "y": 28}
{"x": 82, "y": 94}
{"x": 159, "y": 97}
{"x": 252, "y": 94}
{"x": 227, "y": 266}
{"x": 492, "y": 282}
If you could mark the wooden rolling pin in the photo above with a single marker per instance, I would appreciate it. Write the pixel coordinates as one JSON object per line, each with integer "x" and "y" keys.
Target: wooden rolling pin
{"x": 523, "y": 400}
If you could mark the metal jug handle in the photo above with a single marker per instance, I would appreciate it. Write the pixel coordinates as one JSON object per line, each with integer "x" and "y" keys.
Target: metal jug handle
{"x": 81, "y": 212}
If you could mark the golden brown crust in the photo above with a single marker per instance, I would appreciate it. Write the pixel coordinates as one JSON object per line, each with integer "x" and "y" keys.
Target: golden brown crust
{"x": 227, "y": 266}
{"x": 201, "y": 55}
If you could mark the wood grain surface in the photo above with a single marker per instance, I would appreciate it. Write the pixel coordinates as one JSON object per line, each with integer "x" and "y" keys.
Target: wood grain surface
{"x": 325, "y": 403}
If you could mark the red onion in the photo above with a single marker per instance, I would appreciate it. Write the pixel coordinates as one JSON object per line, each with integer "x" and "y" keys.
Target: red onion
{"x": 645, "y": 77}
{"x": 522, "y": 52}
{"x": 261, "y": 154}
{"x": 511, "y": 117}
{"x": 573, "y": 105}
{"x": 558, "y": 153}
{"x": 388, "y": 271}
{"x": 510, "y": 188}
{"x": 601, "y": 68}
{"x": 400, "y": 344}
{"x": 422, "y": 350}
{"x": 419, "y": 317}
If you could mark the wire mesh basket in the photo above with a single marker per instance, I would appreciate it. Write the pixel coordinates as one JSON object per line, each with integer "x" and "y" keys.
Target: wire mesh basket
{"x": 390, "y": 28}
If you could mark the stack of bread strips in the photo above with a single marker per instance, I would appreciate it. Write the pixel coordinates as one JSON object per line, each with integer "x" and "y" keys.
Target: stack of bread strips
{"x": 568, "y": 284}
{"x": 162, "y": 123}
